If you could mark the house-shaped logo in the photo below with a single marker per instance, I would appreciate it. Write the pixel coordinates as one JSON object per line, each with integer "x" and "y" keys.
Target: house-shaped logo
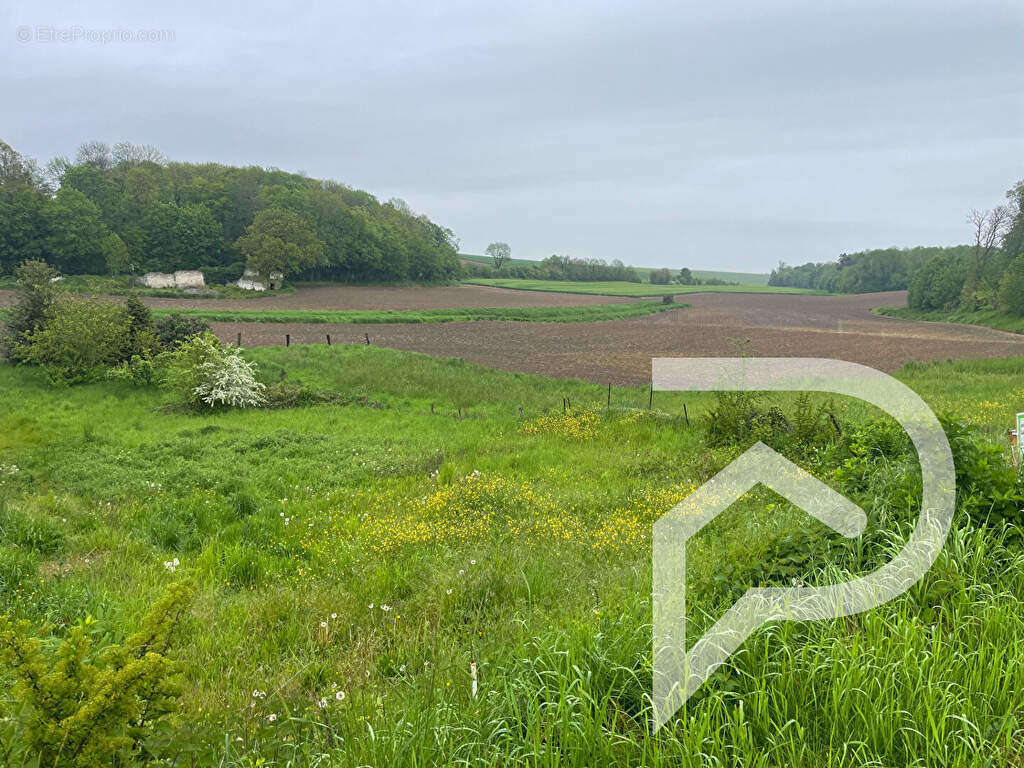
{"x": 679, "y": 672}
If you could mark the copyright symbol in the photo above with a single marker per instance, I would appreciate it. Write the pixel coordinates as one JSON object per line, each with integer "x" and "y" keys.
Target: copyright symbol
{"x": 24, "y": 34}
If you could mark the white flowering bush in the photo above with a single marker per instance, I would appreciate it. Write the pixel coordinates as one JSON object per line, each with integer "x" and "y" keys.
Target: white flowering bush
{"x": 202, "y": 372}
{"x": 226, "y": 378}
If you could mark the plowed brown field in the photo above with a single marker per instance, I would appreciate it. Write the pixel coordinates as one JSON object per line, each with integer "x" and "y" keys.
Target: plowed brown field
{"x": 620, "y": 352}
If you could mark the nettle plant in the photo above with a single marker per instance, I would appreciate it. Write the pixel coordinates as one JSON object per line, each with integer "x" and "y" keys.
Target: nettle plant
{"x": 79, "y": 706}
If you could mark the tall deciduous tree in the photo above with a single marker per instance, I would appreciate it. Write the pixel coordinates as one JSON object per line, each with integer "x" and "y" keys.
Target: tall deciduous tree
{"x": 180, "y": 237}
{"x": 499, "y": 253}
{"x": 22, "y": 228}
{"x": 280, "y": 241}
{"x": 75, "y": 234}
{"x": 115, "y": 253}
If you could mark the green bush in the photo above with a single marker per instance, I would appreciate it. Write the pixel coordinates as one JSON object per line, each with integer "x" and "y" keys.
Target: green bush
{"x": 139, "y": 370}
{"x": 201, "y": 372}
{"x": 78, "y": 340}
{"x": 229, "y": 379}
{"x": 989, "y": 488}
{"x": 87, "y": 708}
{"x": 142, "y": 338}
{"x": 36, "y": 293}
{"x": 740, "y": 418}
{"x": 172, "y": 330}
{"x": 182, "y": 371}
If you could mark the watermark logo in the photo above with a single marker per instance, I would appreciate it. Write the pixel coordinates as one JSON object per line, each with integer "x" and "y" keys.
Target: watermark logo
{"x": 75, "y": 33}
{"x": 678, "y": 673}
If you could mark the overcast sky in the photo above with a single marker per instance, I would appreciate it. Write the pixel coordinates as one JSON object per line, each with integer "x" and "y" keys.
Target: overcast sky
{"x": 714, "y": 135}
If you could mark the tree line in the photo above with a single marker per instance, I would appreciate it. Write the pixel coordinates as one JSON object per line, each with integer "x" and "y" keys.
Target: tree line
{"x": 556, "y": 267}
{"x": 127, "y": 209}
{"x": 988, "y": 274}
{"x": 880, "y": 269}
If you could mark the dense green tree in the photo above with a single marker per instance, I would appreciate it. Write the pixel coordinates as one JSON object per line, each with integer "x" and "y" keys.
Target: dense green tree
{"x": 75, "y": 234}
{"x": 102, "y": 189}
{"x": 180, "y": 237}
{"x": 1013, "y": 243}
{"x": 660, "y": 277}
{"x": 115, "y": 254}
{"x": 36, "y": 294}
{"x": 280, "y": 241}
{"x": 1011, "y": 288}
{"x": 22, "y": 227}
{"x": 938, "y": 283}
{"x": 17, "y": 171}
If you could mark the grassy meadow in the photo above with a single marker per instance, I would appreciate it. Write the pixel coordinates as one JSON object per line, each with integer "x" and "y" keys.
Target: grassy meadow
{"x": 585, "y": 314}
{"x": 353, "y": 559}
{"x": 992, "y": 318}
{"x": 611, "y": 288}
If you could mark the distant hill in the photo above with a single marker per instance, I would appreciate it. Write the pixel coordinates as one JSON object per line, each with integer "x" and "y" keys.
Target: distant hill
{"x": 743, "y": 278}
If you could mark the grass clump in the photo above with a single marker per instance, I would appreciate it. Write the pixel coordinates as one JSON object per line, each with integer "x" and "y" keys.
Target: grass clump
{"x": 993, "y": 318}
{"x": 586, "y": 314}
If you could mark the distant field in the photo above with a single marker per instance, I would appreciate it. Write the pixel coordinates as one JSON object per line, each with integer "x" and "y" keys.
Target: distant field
{"x": 990, "y": 318}
{"x": 628, "y": 289}
{"x": 584, "y": 314}
{"x": 744, "y": 278}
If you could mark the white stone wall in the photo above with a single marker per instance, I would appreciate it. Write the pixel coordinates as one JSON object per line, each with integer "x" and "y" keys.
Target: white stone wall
{"x": 157, "y": 280}
{"x": 186, "y": 278}
{"x": 189, "y": 278}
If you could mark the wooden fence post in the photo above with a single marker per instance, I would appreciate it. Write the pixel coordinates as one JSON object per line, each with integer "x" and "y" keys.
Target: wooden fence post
{"x": 239, "y": 340}
{"x": 287, "y": 339}
{"x": 328, "y": 339}
{"x": 650, "y": 401}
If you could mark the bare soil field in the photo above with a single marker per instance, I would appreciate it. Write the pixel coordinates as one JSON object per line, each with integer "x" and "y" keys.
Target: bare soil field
{"x": 620, "y": 352}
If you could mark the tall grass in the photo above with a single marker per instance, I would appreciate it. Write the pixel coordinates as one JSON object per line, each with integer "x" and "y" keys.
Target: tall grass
{"x": 515, "y": 539}
{"x": 585, "y": 314}
{"x": 989, "y": 317}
